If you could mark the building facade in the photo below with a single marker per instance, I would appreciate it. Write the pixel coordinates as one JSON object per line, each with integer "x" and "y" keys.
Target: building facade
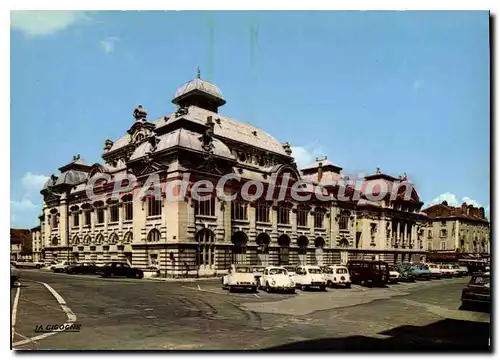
{"x": 36, "y": 247}
{"x": 20, "y": 244}
{"x": 190, "y": 237}
{"x": 463, "y": 229}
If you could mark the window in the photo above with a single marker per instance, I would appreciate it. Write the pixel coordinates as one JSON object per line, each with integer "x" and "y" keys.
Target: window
{"x": 429, "y": 233}
{"x": 238, "y": 210}
{"x": 443, "y": 223}
{"x": 205, "y": 208}
{"x": 319, "y": 216}
{"x": 429, "y": 245}
{"x": 100, "y": 216}
{"x": 55, "y": 221}
{"x": 302, "y": 215}
{"x": 139, "y": 137}
{"x": 284, "y": 213}
{"x": 127, "y": 206}
{"x": 87, "y": 218}
{"x": 154, "y": 207}
{"x": 443, "y": 245}
{"x": 113, "y": 238}
{"x": 153, "y": 259}
{"x": 154, "y": 235}
{"x": 127, "y": 239}
{"x": 344, "y": 220}
{"x": 444, "y": 233}
{"x": 113, "y": 213}
{"x": 262, "y": 212}
{"x": 76, "y": 219}
{"x": 99, "y": 239}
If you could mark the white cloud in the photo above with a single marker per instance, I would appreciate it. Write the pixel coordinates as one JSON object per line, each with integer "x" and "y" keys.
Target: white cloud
{"x": 35, "y": 23}
{"x": 108, "y": 44}
{"x": 24, "y": 212}
{"x": 306, "y": 155}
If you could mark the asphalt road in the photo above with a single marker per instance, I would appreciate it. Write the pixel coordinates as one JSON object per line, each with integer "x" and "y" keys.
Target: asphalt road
{"x": 130, "y": 314}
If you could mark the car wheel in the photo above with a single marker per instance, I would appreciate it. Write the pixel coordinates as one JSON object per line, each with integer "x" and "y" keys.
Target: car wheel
{"x": 322, "y": 288}
{"x": 303, "y": 287}
{"x": 112, "y": 275}
{"x": 38, "y": 266}
{"x": 139, "y": 275}
{"x": 329, "y": 283}
{"x": 268, "y": 288}
{"x": 254, "y": 289}
{"x": 348, "y": 286}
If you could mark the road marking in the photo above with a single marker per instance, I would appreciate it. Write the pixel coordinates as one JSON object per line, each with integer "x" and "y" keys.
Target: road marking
{"x": 70, "y": 315}
{"x": 14, "y": 310}
{"x": 257, "y": 296}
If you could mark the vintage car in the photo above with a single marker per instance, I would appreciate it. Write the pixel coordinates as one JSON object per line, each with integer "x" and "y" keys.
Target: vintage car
{"x": 275, "y": 278}
{"x": 14, "y": 275}
{"x": 463, "y": 270}
{"x": 28, "y": 264}
{"x": 309, "y": 276}
{"x": 291, "y": 270}
{"x": 336, "y": 275}
{"x": 405, "y": 273}
{"x": 420, "y": 271}
{"x": 394, "y": 275}
{"x": 459, "y": 270}
{"x": 61, "y": 266}
{"x": 434, "y": 270}
{"x": 446, "y": 270}
{"x": 84, "y": 268}
{"x": 477, "y": 291}
{"x": 239, "y": 277}
{"x": 368, "y": 272}
{"x": 118, "y": 268}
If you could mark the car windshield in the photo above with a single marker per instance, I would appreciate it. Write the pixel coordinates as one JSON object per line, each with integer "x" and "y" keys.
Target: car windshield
{"x": 277, "y": 271}
{"x": 290, "y": 268}
{"x": 314, "y": 271}
{"x": 481, "y": 280}
{"x": 328, "y": 270}
{"x": 380, "y": 266}
{"x": 341, "y": 271}
{"x": 258, "y": 269}
{"x": 243, "y": 269}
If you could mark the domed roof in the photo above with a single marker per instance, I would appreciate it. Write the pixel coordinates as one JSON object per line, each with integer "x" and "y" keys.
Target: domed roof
{"x": 201, "y": 85}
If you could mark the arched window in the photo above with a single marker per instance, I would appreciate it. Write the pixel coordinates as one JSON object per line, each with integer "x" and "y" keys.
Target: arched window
{"x": 76, "y": 240}
{"x": 87, "y": 240}
{"x": 55, "y": 241}
{"x": 127, "y": 239}
{"x": 139, "y": 137}
{"x": 99, "y": 239}
{"x": 205, "y": 252}
{"x": 113, "y": 238}
{"x": 154, "y": 235}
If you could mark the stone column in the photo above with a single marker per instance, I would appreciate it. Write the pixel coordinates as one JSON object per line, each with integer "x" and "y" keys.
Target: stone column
{"x": 405, "y": 234}
{"x": 398, "y": 233}
{"x": 63, "y": 221}
{"x": 120, "y": 216}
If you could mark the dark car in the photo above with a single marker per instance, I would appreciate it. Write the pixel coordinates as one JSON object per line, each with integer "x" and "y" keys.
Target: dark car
{"x": 116, "y": 268}
{"x": 368, "y": 272}
{"x": 477, "y": 291}
{"x": 84, "y": 268}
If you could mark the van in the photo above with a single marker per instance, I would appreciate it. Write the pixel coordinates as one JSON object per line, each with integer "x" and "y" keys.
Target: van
{"x": 368, "y": 272}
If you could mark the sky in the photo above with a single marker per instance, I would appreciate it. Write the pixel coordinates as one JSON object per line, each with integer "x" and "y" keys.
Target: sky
{"x": 405, "y": 91}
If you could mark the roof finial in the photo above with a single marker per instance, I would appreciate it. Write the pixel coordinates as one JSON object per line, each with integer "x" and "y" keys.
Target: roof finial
{"x": 198, "y": 73}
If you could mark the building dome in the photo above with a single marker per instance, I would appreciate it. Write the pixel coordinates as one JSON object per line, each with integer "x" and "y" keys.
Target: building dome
{"x": 200, "y": 85}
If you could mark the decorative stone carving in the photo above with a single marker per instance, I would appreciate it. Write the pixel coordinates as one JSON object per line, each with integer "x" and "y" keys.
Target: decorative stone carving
{"x": 287, "y": 148}
{"x": 140, "y": 113}
{"x": 108, "y": 144}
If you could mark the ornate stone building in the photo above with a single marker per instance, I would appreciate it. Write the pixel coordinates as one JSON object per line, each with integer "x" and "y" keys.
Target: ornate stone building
{"x": 462, "y": 229}
{"x": 202, "y": 238}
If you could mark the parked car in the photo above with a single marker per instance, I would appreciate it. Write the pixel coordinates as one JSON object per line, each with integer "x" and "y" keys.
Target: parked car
{"x": 460, "y": 270}
{"x": 61, "y": 266}
{"x": 405, "y": 273}
{"x": 434, "y": 270}
{"x": 14, "y": 275}
{"x": 28, "y": 264}
{"x": 309, "y": 276}
{"x": 368, "y": 272}
{"x": 117, "y": 268}
{"x": 275, "y": 278}
{"x": 336, "y": 275}
{"x": 84, "y": 268}
{"x": 394, "y": 275}
{"x": 239, "y": 277}
{"x": 477, "y": 291}
{"x": 258, "y": 271}
{"x": 290, "y": 269}
{"x": 421, "y": 272}
{"x": 446, "y": 270}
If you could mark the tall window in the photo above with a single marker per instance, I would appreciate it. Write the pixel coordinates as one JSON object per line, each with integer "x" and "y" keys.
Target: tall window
{"x": 100, "y": 216}
{"x": 87, "y": 217}
{"x": 113, "y": 213}
{"x": 443, "y": 245}
{"x": 302, "y": 215}
{"x": 128, "y": 209}
{"x": 154, "y": 235}
{"x": 262, "y": 212}
{"x": 319, "y": 216}
{"x": 154, "y": 207}
{"x": 238, "y": 210}
{"x": 284, "y": 213}
{"x": 429, "y": 245}
{"x": 205, "y": 208}
{"x": 76, "y": 219}
{"x": 429, "y": 233}
{"x": 344, "y": 220}
{"x": 444, "y": 233}
{"x": 55, "y": 221}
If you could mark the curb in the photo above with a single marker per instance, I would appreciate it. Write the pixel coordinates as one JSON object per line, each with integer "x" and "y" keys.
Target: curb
{"x": 189, "y": 280}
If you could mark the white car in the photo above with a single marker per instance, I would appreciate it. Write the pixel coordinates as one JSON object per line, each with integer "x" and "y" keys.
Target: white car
{"x": 61, "y": 266}
{"x": 394, "y": 276}
{"x": 435, "y": 271}
{"x": 276, "y": 278}
{"x": 446, "y": 270}
{"x": 462, "y": 270}
{"x": 28, "y": 264}
{"x": 239, "y": 277}
{"x": 309, "y": 276}
{"x": 336, "y": 275}
{"x": 290, "y": 269}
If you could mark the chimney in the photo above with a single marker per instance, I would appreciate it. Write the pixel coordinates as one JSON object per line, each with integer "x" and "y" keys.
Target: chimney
{"x": 464, "y": 208}
{"x": 320, "y": 171}
{"x": 481, "y": 212}
{"x": 470, "y": 209}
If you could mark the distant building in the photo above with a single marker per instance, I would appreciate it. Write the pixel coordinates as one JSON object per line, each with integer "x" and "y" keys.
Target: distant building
{"x": 463, "y": 229}
{"x": 37, "y": 244}
{"x": 20, "y": 244}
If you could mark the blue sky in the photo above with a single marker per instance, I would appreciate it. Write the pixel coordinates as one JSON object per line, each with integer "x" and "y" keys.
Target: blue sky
{"x": 404, "y": 91}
